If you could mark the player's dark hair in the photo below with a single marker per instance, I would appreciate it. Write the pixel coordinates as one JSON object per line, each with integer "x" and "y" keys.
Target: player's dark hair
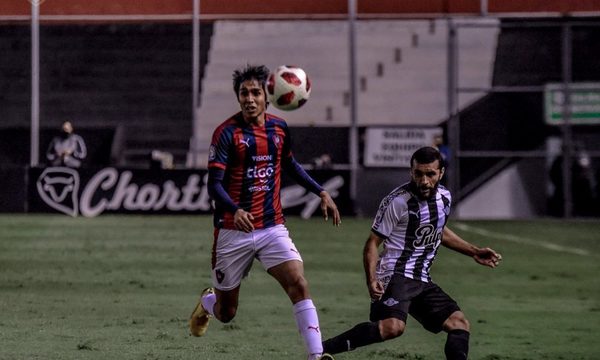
{"x": 427, "y": 155}
{"x": 259, "y": 73}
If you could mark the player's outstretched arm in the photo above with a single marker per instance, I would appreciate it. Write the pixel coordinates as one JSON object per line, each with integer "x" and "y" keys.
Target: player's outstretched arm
{"x": 370, "y": 258}
{"x": 328, "y": 206}
{"x": 484, "y": 256}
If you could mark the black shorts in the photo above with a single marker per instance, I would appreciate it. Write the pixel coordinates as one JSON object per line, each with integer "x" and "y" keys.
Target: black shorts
{"x": 426, "y": 302}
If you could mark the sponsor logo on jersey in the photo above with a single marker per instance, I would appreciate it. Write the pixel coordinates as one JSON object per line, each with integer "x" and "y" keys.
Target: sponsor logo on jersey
{"x": 391, "y": 302}
{"x": 258, "y": 158}
{"x": 315, "y": 328}
{"x": 427, "y": 236}
{"x": 261, "y": 173}
{"x": 259, "y": 188}
{"x": 246, "y": 142}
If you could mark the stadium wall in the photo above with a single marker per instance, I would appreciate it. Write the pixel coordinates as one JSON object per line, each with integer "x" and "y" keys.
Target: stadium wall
{"x": 92, "y": 192}
{"x": 265, "y": 8}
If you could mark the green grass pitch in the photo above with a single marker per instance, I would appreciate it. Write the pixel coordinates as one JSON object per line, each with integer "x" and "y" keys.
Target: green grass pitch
{"x": 122, "y": 287}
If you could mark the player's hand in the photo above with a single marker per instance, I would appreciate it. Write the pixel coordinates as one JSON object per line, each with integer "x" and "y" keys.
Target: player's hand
{"x": 376, "y": 289}
{"x": 327, "y": 206}
{"x": 487, "y": 257}
{"x": 243, "y": 220}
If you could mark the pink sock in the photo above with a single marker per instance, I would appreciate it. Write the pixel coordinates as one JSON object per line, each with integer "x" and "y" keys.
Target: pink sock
{"x": 208, "y": 302}
{"x": 308, "y": 325}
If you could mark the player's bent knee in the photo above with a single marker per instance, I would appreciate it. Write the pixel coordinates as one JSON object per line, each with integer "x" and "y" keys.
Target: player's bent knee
{"x": 297, "y": 289}
{"x": 391, "y": 328}
{"x": 457, "y": 321}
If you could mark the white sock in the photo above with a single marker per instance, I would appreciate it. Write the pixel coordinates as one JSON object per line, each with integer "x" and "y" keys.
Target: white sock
{"x": 208, "y": 302}
{"x": 308, "y": 325}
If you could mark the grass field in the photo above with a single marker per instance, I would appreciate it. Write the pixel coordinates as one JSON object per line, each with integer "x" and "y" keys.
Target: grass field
{"x": 123, "y": 287}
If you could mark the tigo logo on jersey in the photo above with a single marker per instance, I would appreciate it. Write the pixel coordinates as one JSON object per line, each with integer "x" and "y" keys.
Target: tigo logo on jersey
{"x": 262, "y": 173}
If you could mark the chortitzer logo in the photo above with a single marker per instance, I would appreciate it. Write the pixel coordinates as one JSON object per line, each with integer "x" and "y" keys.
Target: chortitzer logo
{"x": 110, "y": 189}
{"x": 116, "y": 190}
{"x": 58, "y": 187}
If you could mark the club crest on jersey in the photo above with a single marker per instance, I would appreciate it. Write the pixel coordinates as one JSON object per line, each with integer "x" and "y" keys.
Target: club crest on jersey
{"x": 276, "y": 140}
{"x": 427, "y": 236}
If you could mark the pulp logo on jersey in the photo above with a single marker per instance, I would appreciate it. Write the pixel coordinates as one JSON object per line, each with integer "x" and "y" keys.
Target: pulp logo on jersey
{"x": 58, "y": 187}
{"x": 427, "y": 235}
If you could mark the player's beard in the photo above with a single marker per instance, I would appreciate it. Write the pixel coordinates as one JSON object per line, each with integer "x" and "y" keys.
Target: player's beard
{"x": 430, "y": 191}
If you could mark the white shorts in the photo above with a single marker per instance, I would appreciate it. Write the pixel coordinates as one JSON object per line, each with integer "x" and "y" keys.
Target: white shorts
{"x": 234, "y": 251}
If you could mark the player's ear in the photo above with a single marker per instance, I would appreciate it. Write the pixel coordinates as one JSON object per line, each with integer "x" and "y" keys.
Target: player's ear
{"x": 442, "y": 171}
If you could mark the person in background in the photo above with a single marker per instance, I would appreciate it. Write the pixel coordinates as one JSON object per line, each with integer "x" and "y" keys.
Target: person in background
{"x": 67, "y": 149}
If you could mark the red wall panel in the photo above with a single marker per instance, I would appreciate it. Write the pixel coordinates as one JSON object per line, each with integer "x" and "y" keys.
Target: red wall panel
{"x": 561, "y": 6}
{"x": 256, "y": 8}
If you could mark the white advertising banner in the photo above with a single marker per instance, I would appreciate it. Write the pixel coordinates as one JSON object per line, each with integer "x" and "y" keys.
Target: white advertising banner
{"x": 393, "y": 146}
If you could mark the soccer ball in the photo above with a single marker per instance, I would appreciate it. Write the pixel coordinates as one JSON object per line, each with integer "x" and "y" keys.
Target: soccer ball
{"x": 288, "y": 87}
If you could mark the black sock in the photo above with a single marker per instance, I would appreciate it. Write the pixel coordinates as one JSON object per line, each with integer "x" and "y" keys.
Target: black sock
{"x": 457, "y": 345}
{"x": 362, "y": 334}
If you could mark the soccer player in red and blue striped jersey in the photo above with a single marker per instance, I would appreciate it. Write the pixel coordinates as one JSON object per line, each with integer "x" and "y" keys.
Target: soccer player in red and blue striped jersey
{"x": 247, "y": 155}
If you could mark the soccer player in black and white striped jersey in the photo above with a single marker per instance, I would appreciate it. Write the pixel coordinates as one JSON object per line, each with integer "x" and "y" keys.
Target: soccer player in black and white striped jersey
{"x": 411, "y": 225}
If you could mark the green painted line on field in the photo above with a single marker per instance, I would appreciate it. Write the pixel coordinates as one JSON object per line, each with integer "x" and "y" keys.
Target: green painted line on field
{"x": 521, "y": 240}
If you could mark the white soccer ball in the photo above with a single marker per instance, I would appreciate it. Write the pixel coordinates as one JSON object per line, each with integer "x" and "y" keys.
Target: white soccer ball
{"x": 288, "y": 87}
